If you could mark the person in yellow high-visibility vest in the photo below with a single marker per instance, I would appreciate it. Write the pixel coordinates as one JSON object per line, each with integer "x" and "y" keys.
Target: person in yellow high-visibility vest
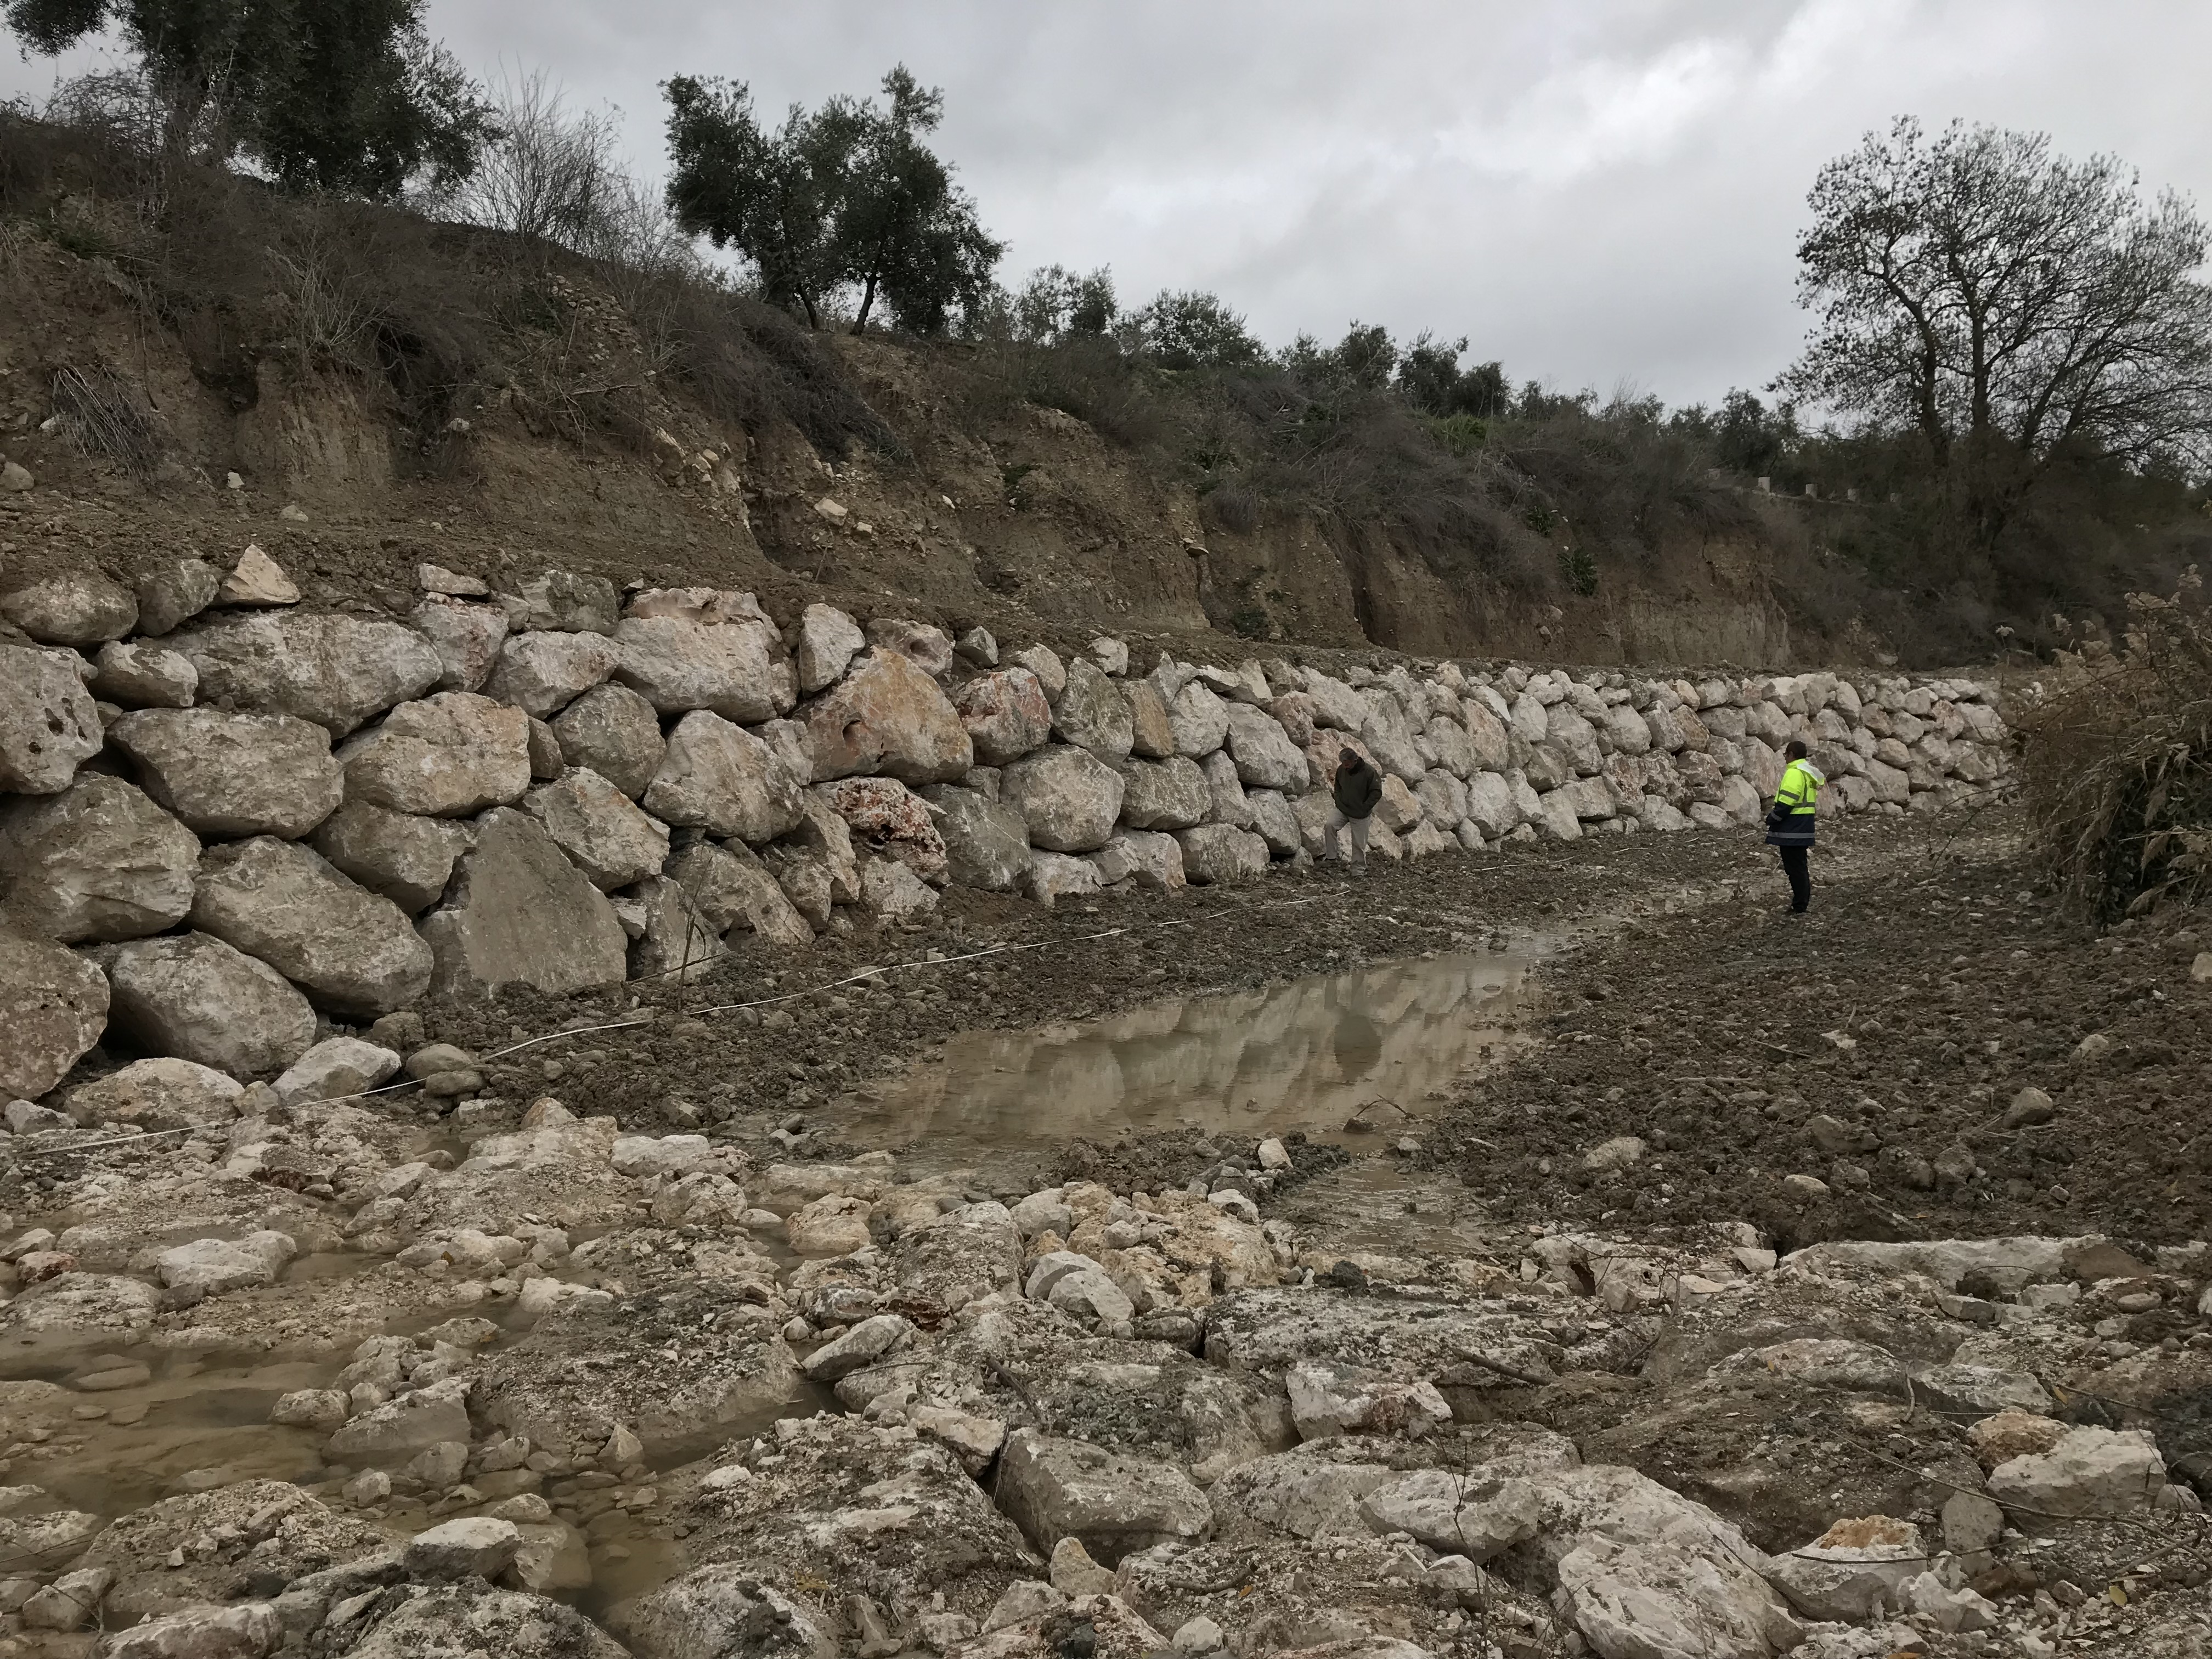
{"x": 1789, "y": 822}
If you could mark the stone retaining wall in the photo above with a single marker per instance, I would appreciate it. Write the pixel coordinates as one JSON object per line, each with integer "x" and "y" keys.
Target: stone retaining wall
{"x": 223, "y": 815}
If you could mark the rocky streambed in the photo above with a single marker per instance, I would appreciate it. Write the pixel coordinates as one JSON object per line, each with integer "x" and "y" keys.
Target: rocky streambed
{"x": 1262, "y": 1329}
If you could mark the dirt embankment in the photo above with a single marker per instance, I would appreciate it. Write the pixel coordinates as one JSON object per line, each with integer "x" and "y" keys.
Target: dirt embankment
{"x": 975, "y": 506}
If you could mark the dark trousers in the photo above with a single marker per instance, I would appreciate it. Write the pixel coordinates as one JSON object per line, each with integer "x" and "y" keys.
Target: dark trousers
{"x": 1796, "y": 865}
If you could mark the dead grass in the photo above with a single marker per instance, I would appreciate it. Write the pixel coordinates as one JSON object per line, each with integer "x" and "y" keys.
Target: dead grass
{"x": 2117, "y": 765}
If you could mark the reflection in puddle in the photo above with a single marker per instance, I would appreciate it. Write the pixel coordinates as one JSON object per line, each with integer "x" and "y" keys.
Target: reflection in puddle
{"x": 1305, "y": 1054}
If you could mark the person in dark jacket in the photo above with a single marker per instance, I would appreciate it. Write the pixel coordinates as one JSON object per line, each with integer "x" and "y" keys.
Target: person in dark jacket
{"x": 1789, "y": 822}
{"x": 1358, "y": 792}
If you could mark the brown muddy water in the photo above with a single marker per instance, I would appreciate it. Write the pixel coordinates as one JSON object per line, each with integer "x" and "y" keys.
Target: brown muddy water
{"x": 1311, "y": 1054}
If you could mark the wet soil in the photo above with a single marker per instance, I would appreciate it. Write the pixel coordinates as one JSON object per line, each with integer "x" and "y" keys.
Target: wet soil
{"x": 1875, "y": 1045}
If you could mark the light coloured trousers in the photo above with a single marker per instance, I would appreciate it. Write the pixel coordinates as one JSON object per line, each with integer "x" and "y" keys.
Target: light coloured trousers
{"x": 1354, "y": 829}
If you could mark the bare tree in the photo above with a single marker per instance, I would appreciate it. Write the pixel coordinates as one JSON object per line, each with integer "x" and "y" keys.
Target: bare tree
{"x": 2005, "y": 303}
{"x": 553, "y": 175}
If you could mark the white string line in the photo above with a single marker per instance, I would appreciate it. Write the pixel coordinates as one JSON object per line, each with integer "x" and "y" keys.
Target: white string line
{"x": 1001, "y": 947}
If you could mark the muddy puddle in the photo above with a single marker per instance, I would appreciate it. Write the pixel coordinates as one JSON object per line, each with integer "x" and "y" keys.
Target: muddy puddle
{"x": 1308, "y": 1055}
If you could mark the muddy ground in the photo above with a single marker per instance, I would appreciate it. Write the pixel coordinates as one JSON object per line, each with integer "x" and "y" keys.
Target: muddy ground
{"x": 1875, "y": 1045}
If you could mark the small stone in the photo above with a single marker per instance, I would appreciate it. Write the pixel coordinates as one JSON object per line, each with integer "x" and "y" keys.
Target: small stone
{"x": 257, "y": 579}
{"x": 2029, "y": 1107}
{"x": 1274, "y": 1155}
{"x": 478, "y": 1546}
{"x": 1805, "y": 1187}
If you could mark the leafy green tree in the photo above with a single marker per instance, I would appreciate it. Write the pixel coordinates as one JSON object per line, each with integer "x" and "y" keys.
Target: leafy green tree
{"x": 773, "y": 197}
{"x": 1057, "y": 305}
{"x": 1431, "y": 378}
{"x": 2005, "y": 305}
{"x": 904, "y": 230}
{"x": 1190, "y": 328}
{"x": 348, "y": 96}
{"x": 844, "y": 199}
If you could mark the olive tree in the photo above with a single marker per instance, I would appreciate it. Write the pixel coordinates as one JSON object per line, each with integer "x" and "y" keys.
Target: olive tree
{"x": 2004, "y": 303}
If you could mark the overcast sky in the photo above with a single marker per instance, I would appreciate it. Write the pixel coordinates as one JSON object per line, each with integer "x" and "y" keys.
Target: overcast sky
{"x": 1601, "y": 192}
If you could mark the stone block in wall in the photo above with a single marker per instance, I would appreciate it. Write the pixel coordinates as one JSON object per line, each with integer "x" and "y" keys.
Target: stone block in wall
{"x": 98, "y": 860}
{"x": 615, "y": 732}
{"x": 730, "y": 887}
{"x": 517, "y": 911}
{"x": 138, "y": 674}
{"x": 466, "y": 637}
{"x": 53, "y": 1008}
{"x": 1055, "y": 876}
{"x": 1274, "y": 822}
{"x": 1491, "y": 807}
{"x": 196, "y": 998}
{"x": 1198, "y": 721}
{"x": 447, "y": 756}
{"x": 564, "y": 602}
{"x": 986, "y": 842}
{"x": 407, "y": 858}
{"x": 542, "y": 673}
{"x": 599, "y": 827}
{"x": 927, "y": 646}
{"x": 1264, "y": 755}
{"x": 351, "y": 950}
{"x": 1221, "y": 853}
{"x": 886, "y": 817}
{"x": 337, "y": 670}
{"x": 1168, "y": 794}
{"x": 1043, "y": 662}
{"x": 175, "y": 592}
{"x": 1067, "y": 797}
{"x": 234, "y": 775}
{"x": 1229, "y": 806}
{"x": 1155, "y": 859}
{"x": 738, "y": 669}
{"x": 1092, "y": 713}
{"x": 1006, "y": 714}
{"x": 71, "y": 608}
{"x": 887, "y": 716}
{"x": 48, "y": 724}
{"x": 824, "y": 644}
{"x": 1152, "y": 729}
{"x": 719, "y": 777}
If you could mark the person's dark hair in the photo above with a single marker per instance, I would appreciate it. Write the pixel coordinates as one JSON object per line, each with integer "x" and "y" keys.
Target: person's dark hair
{"x": 1796, "y": 751}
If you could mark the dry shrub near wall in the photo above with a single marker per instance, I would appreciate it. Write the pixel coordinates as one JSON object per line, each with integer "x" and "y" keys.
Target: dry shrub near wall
{"x": 2117, "y": 762}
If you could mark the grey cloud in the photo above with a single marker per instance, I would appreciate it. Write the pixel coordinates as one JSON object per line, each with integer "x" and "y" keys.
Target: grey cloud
{"x": 1598, "y": 194}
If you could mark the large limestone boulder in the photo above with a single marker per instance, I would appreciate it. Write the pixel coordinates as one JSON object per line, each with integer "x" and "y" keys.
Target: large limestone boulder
{"x": 197, "y": 998}
{"x": 336, "y": 671}
{"x": 1093, "y": 713}
{"x": 1221, "y": 853}
{"x": 886, "y": 715}
{"x": 53, "y": 1007}
{"x": 1006, "y": 714}
{"x": 1491, "y": 807}
{"x": 604, "y": 834}
{"x": 517, "y": 911}
{"x": 136, "y": 674}
{"x": 1067, "y": 797}
{"x": 445, "y": 757}
{"x": 676, "y": 942}
{"x": 96, "y": 862}
{"x": 48, "y": 725}
{"x": 722, "y": 779}
{"x": 234, "y": 774}
{"x": 1265, "y": 755}
{"x": 738, "y": 669}
{"x": 614, "y": 731}
{"x": 1168, "y": 794}
{"x": 1229, "y": 806}
{"x": 1198, "y": 721}
{"x": 352, "y": 952}
{"x": 406, "y": 859}
{"x": 466, "y": 637}
{"x": 828, "y": 641}
{"x": 71, "y": 607}
{"x": 987, "y": 842}
{"x": 543, "y": 672}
